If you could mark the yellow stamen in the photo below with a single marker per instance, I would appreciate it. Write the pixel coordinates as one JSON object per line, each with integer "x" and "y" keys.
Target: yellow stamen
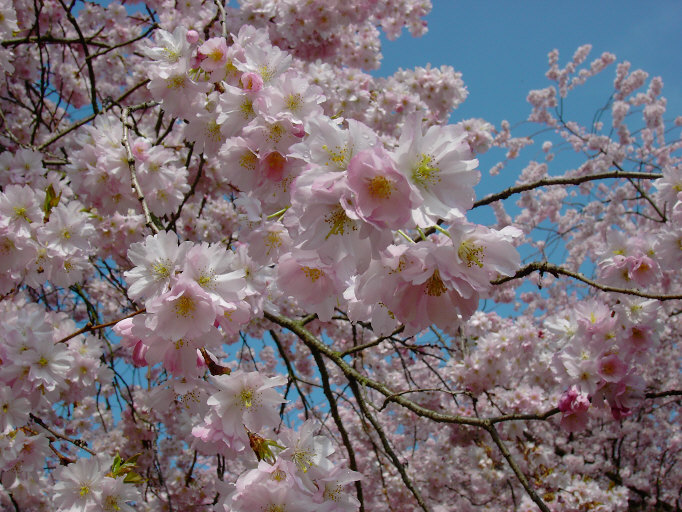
{"x": 380, "y": 187}
{"x": 435, "y": 286}
{"x": 425, "y": 173}
{"x": 471, "y": 253}
{"x": 312, "y": 273}
{"x": 185, "y": 306}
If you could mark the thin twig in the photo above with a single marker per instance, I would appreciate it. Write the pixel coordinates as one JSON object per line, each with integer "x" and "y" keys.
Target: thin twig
{"x": 380, "y": 339}
{"x": 311, "y": 341}
{"x": 339, "y": 423}
{"x": 223, "y": 13}
{"x": 150, "y": 220}
{"x": 89, "y": 327}
{"x": 290, "y": 369}
{"x": 89, "y": 118}
{"x": 80, "y": 444}
{"x": 515, "y": 468}
{"x": 555, "y": 270}
{"x": 86, "y": 51}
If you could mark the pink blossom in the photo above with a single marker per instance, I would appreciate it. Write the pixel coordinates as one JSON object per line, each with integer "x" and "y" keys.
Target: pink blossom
{"x": 213, "y": 54}
{"x": 184, "y": 309}
{"x": 381, "y": 195}
{"x": 574, "y": 406}
{"x": 246, "y": 400}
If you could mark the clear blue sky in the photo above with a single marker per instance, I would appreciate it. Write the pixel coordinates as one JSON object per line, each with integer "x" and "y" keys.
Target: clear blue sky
{"x": 501, "y": 46}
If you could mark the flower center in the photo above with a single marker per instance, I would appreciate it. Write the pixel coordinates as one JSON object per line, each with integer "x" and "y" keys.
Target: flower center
{"x": 339, "y": 222}
{"x": 20, "y": 213}
{"x": 312, "y": 273}
{"x": 266, "y": 73}
{"x": 247, "y": 109}
{"x": 278, "y": 475}
{"x": 216, "y": 55}
{"x": 435, "y": 286}
{"x": 273, "y": 240}
{"x": 213, "y": 131}
{"x": 380, "y": 187}
{"x": 293, "y": 102}
{"x": 206, "y": 279}
{"x": 185, "y": 306}
{"x": 161, "y": 269}
{"x": 332, "y": 493}
{"x": 176, "y": 82}
{"x": 425, "y": 173}
{"x": 339, "y": 155}
{"x": 248, "y": 161}
{"x": 111, "y": 503}
{"x": 246, "y": 398}
{"x": 471, "y": 253}
{"x": 303, "y": 459}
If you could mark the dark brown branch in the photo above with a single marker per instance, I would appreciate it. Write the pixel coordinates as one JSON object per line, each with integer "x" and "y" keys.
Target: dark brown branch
{"x": 89, "y": 327}
{"x": 660, "y": 394}
{"x": 188, "y": 194}
{"x": 515, "y": 468}
{"x": 124, "y": 43}
{"x": 80, "y": 444}
{"x": 324, "y": 377}
{"x": 564, "y": 180}
{"x": 188, "y": 475}
{"x": 387, "y": 446}
{"x": 87, "y": 119}
{"x": 359, "y": 348}
{"x": 50, "y": 39}
{"x": 649, "y": 200}
{"x": 290, "y": 369}
{"x": 86, "y": 51}
{"x": 556, "y": 270}
{"x": 313, "y": 343}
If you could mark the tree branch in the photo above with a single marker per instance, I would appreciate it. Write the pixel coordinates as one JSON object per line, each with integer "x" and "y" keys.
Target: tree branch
{"x": 387, "y": 446}
{"x": 555, "y": 270}
{"x": 152, "y": 223}
{"x": 564, "y": 180}
{"x": 515, "y": 468}
{"x": 89, "y": 327}
{"x": 313, "y": 343}
{"x": 324, "y": 377}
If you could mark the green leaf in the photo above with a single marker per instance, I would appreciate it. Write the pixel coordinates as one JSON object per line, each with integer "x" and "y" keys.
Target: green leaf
{"x": 116, "y": 464}
{"x": 133, "y": 478}
{"x": 51, "y": 200}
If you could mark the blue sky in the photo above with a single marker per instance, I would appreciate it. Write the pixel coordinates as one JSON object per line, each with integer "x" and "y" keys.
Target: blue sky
{"x": 501, "y": 46}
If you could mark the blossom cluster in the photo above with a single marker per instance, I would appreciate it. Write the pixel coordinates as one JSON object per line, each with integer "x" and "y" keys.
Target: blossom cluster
{"x": 344, "y": 195}
{"x": 601, "y": 347}
{"x": 188, "y": 215}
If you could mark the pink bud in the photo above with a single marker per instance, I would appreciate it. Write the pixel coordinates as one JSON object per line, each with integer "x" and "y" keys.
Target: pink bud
{"x": 298, "y": 130}
{"x": 192, "y": 36}
{"x": 138, "y": 354}
{"x": 252, "y": 81}
{"x": 201, "y": 363}
{"x": 195, "y": 61}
